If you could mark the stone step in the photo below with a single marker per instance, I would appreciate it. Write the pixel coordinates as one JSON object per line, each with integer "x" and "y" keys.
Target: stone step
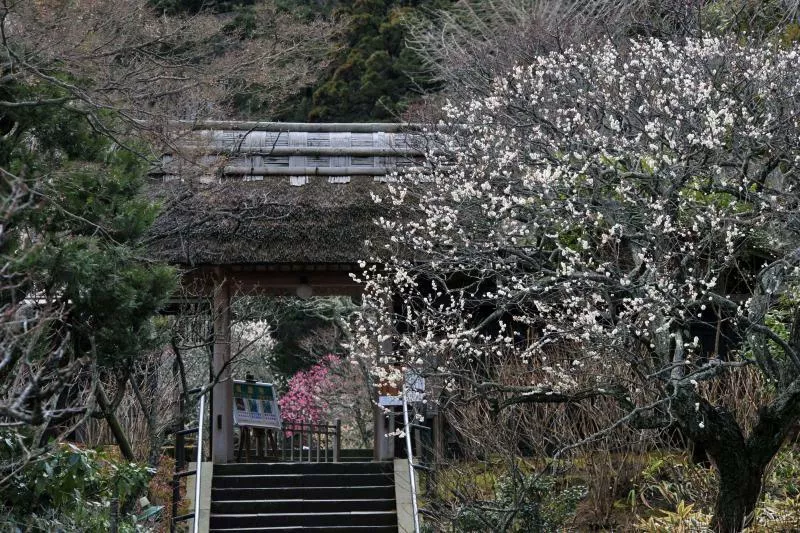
{"x": 301, "y": 480}
{"x": 274, "y": 520}
{"x": 237, "y": 469}
{"x": 316, "y": 497}
{"x": 358, "y": 452}
{"x": 344, "y": 505}
{"x": 310, "y": 529}
{"x": 306, "y": 493}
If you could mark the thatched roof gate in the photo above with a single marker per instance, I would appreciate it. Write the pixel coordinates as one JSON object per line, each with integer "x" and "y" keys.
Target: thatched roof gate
{"x": 276, "y": 193}
{"x": 272, "y": 208}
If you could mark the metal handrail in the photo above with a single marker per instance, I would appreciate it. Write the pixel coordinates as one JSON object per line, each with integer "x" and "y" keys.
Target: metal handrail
{"x": 199, "y": 465}
{"x": 412, "y": 477}
{"x": 180, "y": 464}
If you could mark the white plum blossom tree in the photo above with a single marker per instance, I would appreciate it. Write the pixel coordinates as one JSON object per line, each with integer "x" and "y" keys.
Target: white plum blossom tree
{"x": 631, "y": 204}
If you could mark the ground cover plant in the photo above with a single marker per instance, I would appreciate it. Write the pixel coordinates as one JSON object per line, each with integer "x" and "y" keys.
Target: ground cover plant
{"x": 74, "y": 489}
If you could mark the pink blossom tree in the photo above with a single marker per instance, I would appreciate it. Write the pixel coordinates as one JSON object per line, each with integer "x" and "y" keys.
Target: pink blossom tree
{"x": 334, "y": 388}
{"x": 305, "y": 400}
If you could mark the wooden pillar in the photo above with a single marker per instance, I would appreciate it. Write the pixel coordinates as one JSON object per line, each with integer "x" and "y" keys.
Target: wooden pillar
{"x": 392, "y": 426}
{"x": 381, "y": 450}
{"x": 222, "y": 423}
{"x": 438, "y": 438}
{"x": 378, "y": 430}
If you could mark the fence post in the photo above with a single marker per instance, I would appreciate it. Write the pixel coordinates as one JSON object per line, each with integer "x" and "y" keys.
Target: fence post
{"x": 291, "y": 445}
{"x": 337, "y": 441}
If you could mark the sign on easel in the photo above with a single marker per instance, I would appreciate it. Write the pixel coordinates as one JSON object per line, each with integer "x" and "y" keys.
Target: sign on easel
{"x": 392, "y": 395}
{"x": 255, "y": 404}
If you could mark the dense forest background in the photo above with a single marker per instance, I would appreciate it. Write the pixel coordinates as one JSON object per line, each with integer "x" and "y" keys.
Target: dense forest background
{"x": 372, "y": 75}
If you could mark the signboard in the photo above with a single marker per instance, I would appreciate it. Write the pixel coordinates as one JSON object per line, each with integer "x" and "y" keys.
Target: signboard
{"x": 414, "y": 393}
{"x": 255, "y": 404}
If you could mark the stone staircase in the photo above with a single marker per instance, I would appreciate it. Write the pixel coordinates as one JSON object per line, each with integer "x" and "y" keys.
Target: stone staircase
{"x": 314, "y": 497}
{"x": 356, "y": 455}
{"x": 347, "y": 455}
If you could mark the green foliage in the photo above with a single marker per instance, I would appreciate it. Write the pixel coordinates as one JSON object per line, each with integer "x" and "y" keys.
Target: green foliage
{"x": 374, "y": 76}
{"x": 74, "y": 237}
{"x": 684, "y": 519}
{"x": 70, "y": 489}
{"x": 668, "y": 480}
{"x": 783, "y": 480}
{"x": 77, "y": 296}
{"x": 676, "y": 495}
{"x": 530, "y": 503}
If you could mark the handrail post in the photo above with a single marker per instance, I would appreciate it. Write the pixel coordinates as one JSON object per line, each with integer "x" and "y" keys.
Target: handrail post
{"x": 178, "y": 454}
{"x": 180, "y": 464}
{"x": 198, "y": 468}
{"x": 337, "y": 441}
{"x": 412, "y": 478}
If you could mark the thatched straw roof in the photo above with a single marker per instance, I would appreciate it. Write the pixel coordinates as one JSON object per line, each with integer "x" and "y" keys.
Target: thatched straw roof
{"x": 264, "y": 193}
{"x": 269, "y": 221}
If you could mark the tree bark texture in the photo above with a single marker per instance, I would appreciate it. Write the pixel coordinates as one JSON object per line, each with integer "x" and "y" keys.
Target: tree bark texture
{"x": 740, "y": 462}
{"x": 739, "y": 491}
{"x": 116, "y": 428}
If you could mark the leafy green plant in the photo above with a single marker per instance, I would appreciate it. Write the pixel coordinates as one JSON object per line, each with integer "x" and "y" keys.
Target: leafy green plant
{"x": 675, "y": 495}
{"x": 784, "y": 477}
{"x": 669, "y": 480}
{"x": 777, "y": 514}
{"x": 522, "y": 503}
{"x": 71, "y": 489}
{"x": 684, "y": 519}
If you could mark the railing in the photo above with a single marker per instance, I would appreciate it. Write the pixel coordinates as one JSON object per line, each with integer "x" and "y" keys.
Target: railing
{"x": 305, "y": 441}
{"x": 411, "y": 474}
{"x": 180, "y": 466}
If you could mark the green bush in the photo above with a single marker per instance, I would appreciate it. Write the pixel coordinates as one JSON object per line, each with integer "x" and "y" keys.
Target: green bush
{"x": 676, "y": 495}
{"x": 69, "y": 489}
{"x": 529, "y": 503}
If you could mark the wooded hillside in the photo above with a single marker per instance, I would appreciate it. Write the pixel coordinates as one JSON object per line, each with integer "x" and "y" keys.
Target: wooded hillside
{"x": 372, "y": 74}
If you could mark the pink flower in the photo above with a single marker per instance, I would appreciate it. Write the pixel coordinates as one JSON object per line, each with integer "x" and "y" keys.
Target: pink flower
{"x": 302, "y": 401}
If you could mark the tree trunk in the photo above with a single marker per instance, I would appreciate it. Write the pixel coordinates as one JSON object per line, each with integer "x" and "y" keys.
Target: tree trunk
{"x": 739, "y": 491}
{"x": 116, "y": 428}
{"x": 740, "y": 462}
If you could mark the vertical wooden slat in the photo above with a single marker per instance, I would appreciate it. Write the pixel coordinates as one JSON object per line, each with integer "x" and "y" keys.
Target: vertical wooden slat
{"x": 310, "y": 427}
{"x": 298, "y": 138}
{"x": 340, "y": 140}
